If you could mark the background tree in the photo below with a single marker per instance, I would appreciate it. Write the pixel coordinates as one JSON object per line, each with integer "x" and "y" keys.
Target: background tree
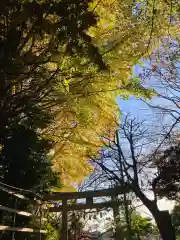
{"x": 167, "y": 181}
{"x": 161, "y": 72}
{"x": 127, "y": 155}
{"x": 141, "y": 226}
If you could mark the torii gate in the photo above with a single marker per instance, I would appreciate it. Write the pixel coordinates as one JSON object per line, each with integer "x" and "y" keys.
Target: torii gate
{"x": 88, "y": 195}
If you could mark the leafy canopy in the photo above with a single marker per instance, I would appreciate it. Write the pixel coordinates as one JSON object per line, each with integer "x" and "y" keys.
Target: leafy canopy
{"x": 70, "y": 59}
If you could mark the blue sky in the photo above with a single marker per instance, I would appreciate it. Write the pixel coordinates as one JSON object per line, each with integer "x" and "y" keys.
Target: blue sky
{"x": 133, "y": 106}
{"x": 138, "y": 108}
{"x": 141, "y": 111}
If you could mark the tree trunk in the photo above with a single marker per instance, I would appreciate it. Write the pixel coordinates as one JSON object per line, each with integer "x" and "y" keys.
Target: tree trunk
{"x": 162, "y": 218}
{"x": 166, "y": 229}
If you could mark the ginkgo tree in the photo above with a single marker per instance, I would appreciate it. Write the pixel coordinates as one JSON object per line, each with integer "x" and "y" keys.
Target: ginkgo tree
{"x": 66, "y": 61}
{"x": 125, "y": 32}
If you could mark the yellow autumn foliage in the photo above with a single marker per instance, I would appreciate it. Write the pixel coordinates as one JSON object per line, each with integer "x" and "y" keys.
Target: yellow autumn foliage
{"x": 126, "y": 31}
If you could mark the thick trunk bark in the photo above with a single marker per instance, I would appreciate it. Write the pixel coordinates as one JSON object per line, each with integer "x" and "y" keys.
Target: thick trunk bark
{"x": 166, "y": 229}
{"x": 162, "y": 218}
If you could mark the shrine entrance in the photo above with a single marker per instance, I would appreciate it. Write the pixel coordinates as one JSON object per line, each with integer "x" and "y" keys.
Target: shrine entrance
{"x": 65, "y": 207}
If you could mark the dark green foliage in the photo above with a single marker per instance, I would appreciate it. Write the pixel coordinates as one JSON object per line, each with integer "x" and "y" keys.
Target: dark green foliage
{"x": 176, "y": 219}
{"x": 167, "y": 183}
{"x": 24, "y": 164}
{"x": 24, "y": 158}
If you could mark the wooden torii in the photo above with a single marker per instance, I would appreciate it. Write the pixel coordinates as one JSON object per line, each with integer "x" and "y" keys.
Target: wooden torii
{"x": 88, "y": 195}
